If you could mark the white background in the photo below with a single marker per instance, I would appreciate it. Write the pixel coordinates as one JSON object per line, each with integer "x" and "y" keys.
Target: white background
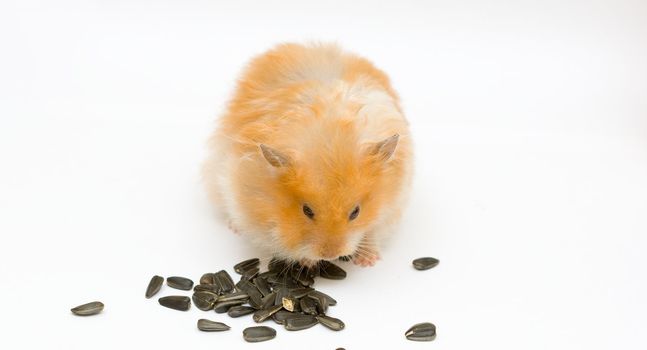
{"x": 530, "y": 124}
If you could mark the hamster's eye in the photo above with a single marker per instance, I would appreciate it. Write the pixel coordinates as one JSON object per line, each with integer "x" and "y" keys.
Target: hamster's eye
{"x": 309, "y": 213}
{"x": 354, "y": 213}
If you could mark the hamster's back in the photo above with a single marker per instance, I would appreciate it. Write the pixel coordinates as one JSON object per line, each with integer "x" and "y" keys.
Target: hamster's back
{"x": 294, "y": 79}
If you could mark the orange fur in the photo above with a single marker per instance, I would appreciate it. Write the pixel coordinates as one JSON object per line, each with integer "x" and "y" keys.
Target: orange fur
{"x": 325, "y": 110}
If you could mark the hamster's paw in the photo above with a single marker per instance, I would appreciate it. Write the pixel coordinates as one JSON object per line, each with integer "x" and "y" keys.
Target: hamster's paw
{"x": 366, "y": 258}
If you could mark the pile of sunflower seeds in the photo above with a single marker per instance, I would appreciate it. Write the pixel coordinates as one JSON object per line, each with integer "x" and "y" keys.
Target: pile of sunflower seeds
{"x": 283, "y": 293}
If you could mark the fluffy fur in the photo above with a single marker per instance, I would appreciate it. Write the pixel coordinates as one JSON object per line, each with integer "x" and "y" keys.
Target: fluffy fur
{"x": 311, "y": 124}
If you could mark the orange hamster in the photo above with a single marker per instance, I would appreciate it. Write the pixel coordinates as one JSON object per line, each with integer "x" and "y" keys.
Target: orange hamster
{"x": 313, "y": 157}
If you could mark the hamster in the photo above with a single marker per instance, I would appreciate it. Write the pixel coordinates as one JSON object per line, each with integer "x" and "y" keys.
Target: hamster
{"x": 312, "y": 159}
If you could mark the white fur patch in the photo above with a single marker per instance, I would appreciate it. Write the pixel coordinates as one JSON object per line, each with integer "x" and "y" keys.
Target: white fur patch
{"x": 379, "y": 115}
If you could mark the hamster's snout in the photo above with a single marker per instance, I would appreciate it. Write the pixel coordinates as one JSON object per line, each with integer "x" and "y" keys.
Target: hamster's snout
{"x": 331, "y": 248}
{"x": 328, "y": 251}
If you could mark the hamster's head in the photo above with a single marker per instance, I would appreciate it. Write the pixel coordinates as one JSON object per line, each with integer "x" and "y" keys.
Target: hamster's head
{"x": 327, "y": 197}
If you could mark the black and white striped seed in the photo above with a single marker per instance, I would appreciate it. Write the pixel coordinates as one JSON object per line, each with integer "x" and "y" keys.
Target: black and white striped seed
{"x": 264, "y": 314}
{"x": 223, "y": 279}
{"x": 421, "y": 332}
{"x": 258, "y": 334}
{"x": 425, "y": 263}
{"x": 208, "y": 278}
{"x": 240, "y": 310}
{"x": 212, "y": 326}
{"x": 246, "y": 265}
{"x": 154, "y": 286}
{"x": 204, "y": 301}
{"x": 223, "y": 306}
{"x": 88, "y": 309}
{"x": 176, "y": 302}
{"x": 333, "y": 323}
{"x": 262, "y": 286}
{"x": 331, "y": 271}
{"x": 308, "y": 306}
{"x": 299, "y": 323}
{"x": 181, "y": 283}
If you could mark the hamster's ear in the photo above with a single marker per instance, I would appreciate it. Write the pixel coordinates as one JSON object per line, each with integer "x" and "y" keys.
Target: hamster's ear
{"x": 384, "y": 149}
{"x": 274, "y": 157}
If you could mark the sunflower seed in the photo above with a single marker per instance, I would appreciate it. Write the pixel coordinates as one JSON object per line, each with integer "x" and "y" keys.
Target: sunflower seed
{"x": 273, "y": 280}
{"x": 251, "y": 273}
{"x": 176, "y": 302}
{"x": 204, "y": 300}
{"x": 305, "y": 280}
{"x": 421, "y": 332}
{"x": 289, "y": 303}
{"x": 213, "y": 288}
{"x": 346, "y": 258}
{"x": 262, "y": 286}
{"x": 256, "y": 302}
{"x": 88, "y": 309}
{"x": 211, "y": 326}
{"x": 179, "y": 283}
{"x": 224, "y": 280}
{"x": 208, "y": 278}
{"x": 425, "y": 263}
{"x": 283, "y": 281}
{"x": 308, "y": 306}
{"x": 313, "y": 271}
{"x": 280, "y": 293}
{"x": 291, "y": 283}
{"x": 293, "y": 268}
{"x": 278, "y": 266}
{"x": 321, "y": 302}
{"x": 333, "y": 323}
{"x": 303, "y": 275}
{"x": 245, "y": 265}
{"x": 299, "y": 293}
{"x": 268, "y": 300}
{"x": 258, "y": 334}
{"x": 331, "y": 271}
{"x": 239, "y": 310}
{"x": 255, "y": 297}
{"x": 282, "y": 315}
{"x": 317, "y": 294}
{"x": 264, "y": 314}
{"x": 300, "y": 322}
{"x": 234, "y": 296}
{"x": 154, "y": 286}
{"x": 223, "y": 306}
